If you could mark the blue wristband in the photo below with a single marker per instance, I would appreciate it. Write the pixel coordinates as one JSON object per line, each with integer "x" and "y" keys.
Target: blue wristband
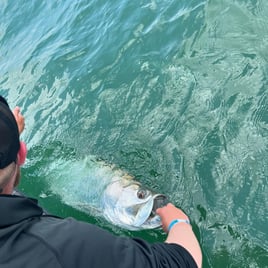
{"x": 174, "y": 222}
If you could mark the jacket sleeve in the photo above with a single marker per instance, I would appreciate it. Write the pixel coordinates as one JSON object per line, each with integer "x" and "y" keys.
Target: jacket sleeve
{"x": 79, "y": 244}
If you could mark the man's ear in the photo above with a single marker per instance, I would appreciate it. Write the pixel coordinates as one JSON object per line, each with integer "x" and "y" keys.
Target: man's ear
{"x": 22, "y": 154}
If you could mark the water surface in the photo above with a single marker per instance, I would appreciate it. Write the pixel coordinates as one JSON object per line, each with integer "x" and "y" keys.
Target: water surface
{"x": 175, "y": 92}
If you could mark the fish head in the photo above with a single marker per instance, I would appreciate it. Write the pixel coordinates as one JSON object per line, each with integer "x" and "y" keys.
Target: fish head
{"x": 128, "y": 204}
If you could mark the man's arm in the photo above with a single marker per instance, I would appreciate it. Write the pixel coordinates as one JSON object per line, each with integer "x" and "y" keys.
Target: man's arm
{"x": 180, "y": 233}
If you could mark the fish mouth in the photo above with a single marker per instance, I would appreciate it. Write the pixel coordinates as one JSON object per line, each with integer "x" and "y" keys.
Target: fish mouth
{"x": 147, "y": 217}
{"x": 153, "y": 220}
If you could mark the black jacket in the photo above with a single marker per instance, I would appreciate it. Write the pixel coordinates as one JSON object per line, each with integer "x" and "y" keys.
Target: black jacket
{"x": 31, "y": 240}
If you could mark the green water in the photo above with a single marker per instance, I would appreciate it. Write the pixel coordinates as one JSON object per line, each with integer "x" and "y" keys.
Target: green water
{"x": 175, "y": 92}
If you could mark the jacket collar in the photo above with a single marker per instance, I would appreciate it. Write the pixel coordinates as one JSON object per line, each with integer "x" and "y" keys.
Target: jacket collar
{"x": 14, "y": 209}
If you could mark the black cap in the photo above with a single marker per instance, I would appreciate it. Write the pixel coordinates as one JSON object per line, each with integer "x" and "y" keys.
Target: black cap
{"x": 9, "y": 135}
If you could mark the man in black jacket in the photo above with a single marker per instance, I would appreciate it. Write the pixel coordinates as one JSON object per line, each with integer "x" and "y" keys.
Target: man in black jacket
{"x": 28, "y": 238}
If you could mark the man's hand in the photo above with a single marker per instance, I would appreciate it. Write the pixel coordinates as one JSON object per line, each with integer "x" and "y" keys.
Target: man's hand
{"x": 170, "y": 213}
{"x": 19, "y": 119}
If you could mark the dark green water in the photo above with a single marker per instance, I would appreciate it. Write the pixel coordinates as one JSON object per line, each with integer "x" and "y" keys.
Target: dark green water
{"x": 175, "y": 92}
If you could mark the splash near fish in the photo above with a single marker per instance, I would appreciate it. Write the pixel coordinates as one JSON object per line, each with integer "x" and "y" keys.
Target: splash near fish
{"x": 95, "y": 187}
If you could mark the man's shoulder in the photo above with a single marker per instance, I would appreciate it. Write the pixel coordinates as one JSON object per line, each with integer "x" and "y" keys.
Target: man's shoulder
{"x": 49, "y": 224}
{"x": 58, "y": 231}
{"x": 66, "y": 237}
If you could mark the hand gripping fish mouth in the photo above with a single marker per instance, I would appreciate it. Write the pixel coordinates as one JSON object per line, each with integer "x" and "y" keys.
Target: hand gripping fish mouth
{"x": 131, "y": 206}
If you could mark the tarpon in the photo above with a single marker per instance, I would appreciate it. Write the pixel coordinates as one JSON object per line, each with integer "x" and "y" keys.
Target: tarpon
{"x": 92, "y": 186}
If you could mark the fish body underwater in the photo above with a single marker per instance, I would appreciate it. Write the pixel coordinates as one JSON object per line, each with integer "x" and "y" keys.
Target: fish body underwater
{"x": 97, "y": 188}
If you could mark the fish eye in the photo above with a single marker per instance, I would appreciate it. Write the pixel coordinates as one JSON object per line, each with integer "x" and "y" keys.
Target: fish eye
{"x": 142, "y": 193}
